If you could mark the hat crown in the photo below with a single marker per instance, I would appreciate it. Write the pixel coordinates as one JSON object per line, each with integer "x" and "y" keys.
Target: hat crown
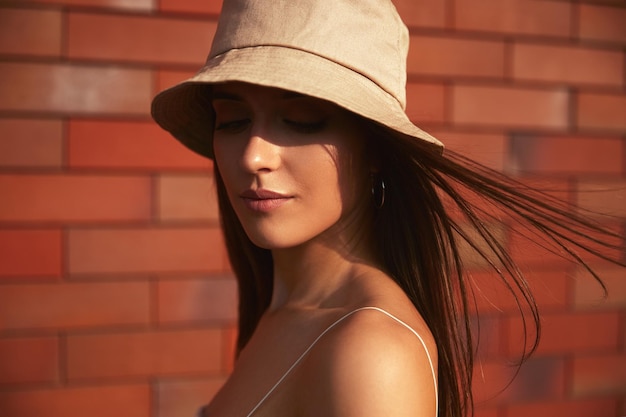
{"x": 365, "y": 36}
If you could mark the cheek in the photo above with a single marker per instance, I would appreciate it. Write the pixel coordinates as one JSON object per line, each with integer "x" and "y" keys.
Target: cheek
{"x": 334, "y": 178}
{"x": 330, "y": 187}
{"x": 353, "y": 172}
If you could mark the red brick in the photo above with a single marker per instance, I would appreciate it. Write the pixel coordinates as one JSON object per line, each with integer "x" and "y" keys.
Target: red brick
{"x": 524, "y": 17}
{"x": 102, "y": 401}
{"x": 606, "y": 2}
{"x": 29, "y": 359}
{"x": 30, "y": 253}
{"x": 198, "y": 300}
{"x": 571, "y": 408}
{"x": 187, "y": 197}
{"x": 487, "y": 330}
{"x": 602, "y": 23}
{"x": 145, "y": 354}
{"x": 549, "y": 288}
{"x": 166, "y": 79}
{"x": 455, "y": 57}
{"x": 78, "y": 89}
{"x": 139, "y": 38}
{"x": 570, "y": 65}
{"x": 510, "y": 107}
{"x": 485, "y": 411}
{"x": 185, "y": 397}
{"x": 126, "y": 250}
{"x": 489, "y": 385}
{"x": 31, "y": 143}
{"x": 191, "y": 6}
{"x": 602, "y": 196}
{"x": 570, "y": 332}
{"x": 128, "y": 145}
{"x": 486, "y": 148}
{"x": 534, "y": 249}
{"x": 539, "y": 378}
{"x": 424, "y": 13}
{"x": 612, "y": 246}
{"x": 541, "y": 251}
{"x": 552, "y": 186}
{"x": 600, "y": 374}
{"x": 72, "y": 305}
{"x": 74, "y": 198}
{"x": 601, "y": 112}
{"x": 589, "y": 294}
{"x": 30, "y": 32}
{"x": 426, "y": 102}
{"x": 567, "y": 154}
{"x": 130, "y": 5}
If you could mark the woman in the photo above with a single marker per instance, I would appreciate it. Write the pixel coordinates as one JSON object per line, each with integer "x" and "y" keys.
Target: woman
{"x": 352, "y": 295}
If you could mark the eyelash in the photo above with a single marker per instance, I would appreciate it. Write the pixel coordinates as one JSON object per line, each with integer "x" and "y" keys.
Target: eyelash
{"x": 232, "y": 126}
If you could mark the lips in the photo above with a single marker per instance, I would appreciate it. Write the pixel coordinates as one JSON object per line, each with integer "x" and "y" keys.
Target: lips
{"x": 262, "y": 200}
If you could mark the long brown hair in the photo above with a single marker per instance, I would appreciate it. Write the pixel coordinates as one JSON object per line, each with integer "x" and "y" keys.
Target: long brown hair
{"x": 420, "y": 242}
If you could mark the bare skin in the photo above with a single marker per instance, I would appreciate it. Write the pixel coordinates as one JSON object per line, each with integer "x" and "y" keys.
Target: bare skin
{"x": 324, "y": 268}
{"x": 367, "y": 366}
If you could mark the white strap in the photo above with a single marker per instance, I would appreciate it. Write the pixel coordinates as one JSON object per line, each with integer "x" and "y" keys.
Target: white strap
{"x": 430, "y": 362}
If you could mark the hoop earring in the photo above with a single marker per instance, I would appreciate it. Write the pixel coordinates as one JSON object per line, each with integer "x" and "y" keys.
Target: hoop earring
{"x": 378, "y": 191}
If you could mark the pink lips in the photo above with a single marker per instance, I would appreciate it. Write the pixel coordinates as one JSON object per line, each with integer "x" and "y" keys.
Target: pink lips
{"x": 262, "y": 200}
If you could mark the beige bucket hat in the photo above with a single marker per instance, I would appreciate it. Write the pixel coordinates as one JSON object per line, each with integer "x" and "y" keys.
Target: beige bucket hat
{"x": 349, "y": 52}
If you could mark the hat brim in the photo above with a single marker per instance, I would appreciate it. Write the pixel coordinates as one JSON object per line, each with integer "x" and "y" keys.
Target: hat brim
{"x": 185, "y": 109}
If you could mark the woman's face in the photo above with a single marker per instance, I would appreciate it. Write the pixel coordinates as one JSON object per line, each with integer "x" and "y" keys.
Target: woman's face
{"x": 293, "y": 166}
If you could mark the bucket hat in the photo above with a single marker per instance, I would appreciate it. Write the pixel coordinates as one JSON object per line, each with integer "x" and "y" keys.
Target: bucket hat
{"x": 349, "y": 52}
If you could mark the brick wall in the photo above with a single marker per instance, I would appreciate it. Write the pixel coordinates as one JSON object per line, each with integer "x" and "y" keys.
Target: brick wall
{"x": 115, "y": 294}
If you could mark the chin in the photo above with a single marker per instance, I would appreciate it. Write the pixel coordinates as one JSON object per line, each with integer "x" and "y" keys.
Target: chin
{"x": 273, "y": 242}
{"x": 267, "y": 241}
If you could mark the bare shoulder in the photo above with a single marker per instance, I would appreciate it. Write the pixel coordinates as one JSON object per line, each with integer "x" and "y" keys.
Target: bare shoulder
{"x": 370, "y": 364}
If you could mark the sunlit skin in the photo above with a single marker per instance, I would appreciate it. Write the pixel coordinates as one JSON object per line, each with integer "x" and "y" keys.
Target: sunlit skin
{"x": 297, "y": 174}
{"x": 292, "y": 165}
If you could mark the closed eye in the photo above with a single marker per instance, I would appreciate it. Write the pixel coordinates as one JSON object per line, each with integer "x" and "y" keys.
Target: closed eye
{"x": 306, "y": 127}
{"x": 232, "y": 126}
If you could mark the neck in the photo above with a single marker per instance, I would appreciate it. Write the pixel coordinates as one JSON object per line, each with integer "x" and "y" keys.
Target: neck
{"x": 316, "y": 274}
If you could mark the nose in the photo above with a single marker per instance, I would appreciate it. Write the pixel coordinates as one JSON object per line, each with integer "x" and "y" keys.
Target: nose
{"x": 260, "y": 153}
